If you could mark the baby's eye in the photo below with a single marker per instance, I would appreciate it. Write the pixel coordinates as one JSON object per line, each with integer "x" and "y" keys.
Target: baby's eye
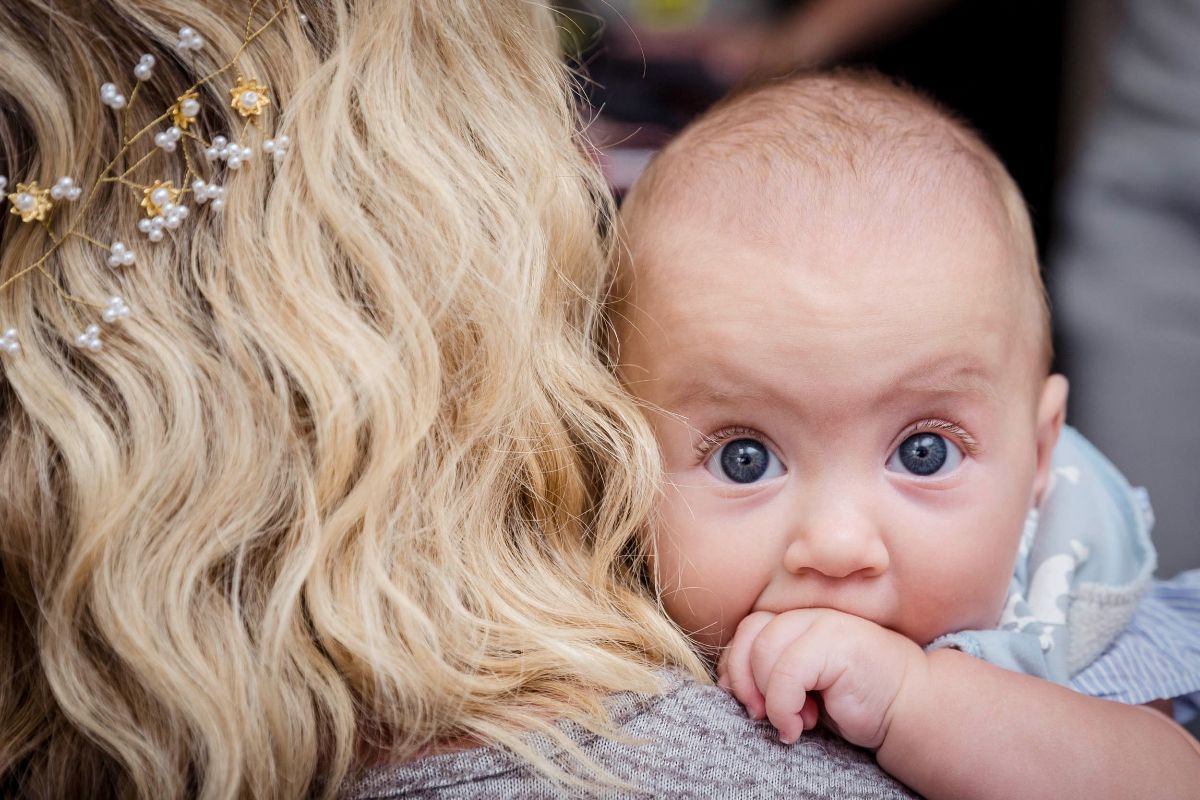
{"x": 925, "y": 454}
{"x": 744, "y": 460}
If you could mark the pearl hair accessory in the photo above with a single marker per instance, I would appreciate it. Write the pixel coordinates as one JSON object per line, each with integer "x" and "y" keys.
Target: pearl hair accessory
{"x": 111, "y": 97}
{"x": 188, "y": 40}
{"x": 185, "y": 110}
{"x": 204, "y": 192}
{"x": 115, "y": 310}
{"x": 30, "y": 202}
{"x": 90, "y": 339}
{"x": 232, "y": 153}
{"x": 144, "y": 70}
{"x": 277, "y": 147}
{"x": 121, "y": 256}
{"x": 65, "y": 189}
{"x": 164, "y": 203}
{"x": 168, "y": 139}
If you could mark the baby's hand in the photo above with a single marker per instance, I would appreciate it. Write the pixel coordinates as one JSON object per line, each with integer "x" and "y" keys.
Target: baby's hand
{"x": 775, "y": 662}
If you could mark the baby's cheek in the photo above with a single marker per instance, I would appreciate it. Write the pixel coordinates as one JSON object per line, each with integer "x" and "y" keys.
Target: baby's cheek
{"x": 702, "y": 589}
{"x": 971, "y": 586}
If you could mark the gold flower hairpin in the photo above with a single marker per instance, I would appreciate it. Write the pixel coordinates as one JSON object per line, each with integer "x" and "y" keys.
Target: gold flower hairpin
{"x": 163, "y": 202}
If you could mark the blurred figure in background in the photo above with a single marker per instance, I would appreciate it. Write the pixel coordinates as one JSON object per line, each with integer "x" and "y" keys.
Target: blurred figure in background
{"x": 1125, "y": 271}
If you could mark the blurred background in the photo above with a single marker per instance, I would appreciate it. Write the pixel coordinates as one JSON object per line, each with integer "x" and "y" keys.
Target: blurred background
{"x": 1094, "y": 107}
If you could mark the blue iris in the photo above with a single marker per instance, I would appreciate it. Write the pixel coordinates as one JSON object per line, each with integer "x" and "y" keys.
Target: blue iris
{"x": 745, "y": 460}
{"x": 923, "y": 453}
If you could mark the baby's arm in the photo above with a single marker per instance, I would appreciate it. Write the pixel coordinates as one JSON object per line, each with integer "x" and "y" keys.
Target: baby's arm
{"x": 948, "y": 724}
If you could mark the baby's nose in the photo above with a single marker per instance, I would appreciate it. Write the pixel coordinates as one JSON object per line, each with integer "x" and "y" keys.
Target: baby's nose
{"x": 837, "y": 540}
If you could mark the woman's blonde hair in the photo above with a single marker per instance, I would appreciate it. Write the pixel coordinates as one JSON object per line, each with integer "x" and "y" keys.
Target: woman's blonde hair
{"x": 353, "y": 479}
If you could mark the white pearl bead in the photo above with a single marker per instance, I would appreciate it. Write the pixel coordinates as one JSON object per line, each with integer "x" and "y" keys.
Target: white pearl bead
{"x": 190, "y": 107}
{"x": 3, "y": 183}
{"x": 160, "y": 196}
{"x": 12, "y": 348}
{"x": 218, "y": 204}
{"x": 219, "y": 142}
{"x": 234, "y": 162}
{"x": 11, "y": 333}
{"x": 24, "y": 202}
{"x": 142, "y": 72}
{"x": 249, "y": 99}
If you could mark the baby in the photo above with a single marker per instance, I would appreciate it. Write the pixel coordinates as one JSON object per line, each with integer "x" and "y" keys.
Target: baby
{"x": 832, "y": 306}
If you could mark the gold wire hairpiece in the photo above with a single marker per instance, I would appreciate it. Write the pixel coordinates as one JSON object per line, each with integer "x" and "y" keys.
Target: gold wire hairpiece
{"x": 162, "y": 200}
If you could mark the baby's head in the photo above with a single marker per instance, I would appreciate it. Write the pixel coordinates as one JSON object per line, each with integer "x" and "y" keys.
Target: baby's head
{"x": 831, "y": 300}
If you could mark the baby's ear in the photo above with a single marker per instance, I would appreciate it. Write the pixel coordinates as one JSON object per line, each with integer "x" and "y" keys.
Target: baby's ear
{"x": 1051, "y": 414}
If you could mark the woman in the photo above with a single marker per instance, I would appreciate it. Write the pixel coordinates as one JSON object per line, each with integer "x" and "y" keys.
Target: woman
{"x": 335, "y": 480}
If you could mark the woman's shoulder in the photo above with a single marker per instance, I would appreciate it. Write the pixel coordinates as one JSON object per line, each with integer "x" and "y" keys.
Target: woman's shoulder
{"x": 691, "y": 740}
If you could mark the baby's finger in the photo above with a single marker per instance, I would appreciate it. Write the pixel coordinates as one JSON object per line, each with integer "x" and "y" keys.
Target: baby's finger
{"x": 735, "y": 664}
{"x": 810, "y": 713}
{"x": 795, "y": 674}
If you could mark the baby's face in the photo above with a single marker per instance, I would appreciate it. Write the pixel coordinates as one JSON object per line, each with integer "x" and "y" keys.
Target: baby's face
{"x": 850, "y": 419}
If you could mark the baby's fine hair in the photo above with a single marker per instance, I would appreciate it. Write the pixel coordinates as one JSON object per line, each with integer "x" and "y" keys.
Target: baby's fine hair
{"x": 353, "y": 479}
{"x": 820, "y": 128}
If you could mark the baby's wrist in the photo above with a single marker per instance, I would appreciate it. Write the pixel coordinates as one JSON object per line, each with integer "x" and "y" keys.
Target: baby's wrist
{"x": 915, "y": 700}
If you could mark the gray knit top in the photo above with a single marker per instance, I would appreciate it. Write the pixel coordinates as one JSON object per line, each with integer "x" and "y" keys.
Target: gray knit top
{"x": 698, "y": 743}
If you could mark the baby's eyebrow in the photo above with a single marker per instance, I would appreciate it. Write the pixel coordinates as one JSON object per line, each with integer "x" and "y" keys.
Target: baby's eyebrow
{"x": 700, "y": 391}
{"x": 942, "y": 377}
{"x": 701, "y": 387}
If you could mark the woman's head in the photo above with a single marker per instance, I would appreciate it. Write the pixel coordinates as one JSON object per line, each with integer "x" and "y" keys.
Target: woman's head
{"x": 352, "y": 471}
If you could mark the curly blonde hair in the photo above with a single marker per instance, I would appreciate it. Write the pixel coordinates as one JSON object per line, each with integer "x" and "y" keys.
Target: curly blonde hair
{"x": 354, "y": 480}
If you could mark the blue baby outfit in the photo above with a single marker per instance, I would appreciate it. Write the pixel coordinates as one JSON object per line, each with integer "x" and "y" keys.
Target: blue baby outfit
{"x": 1083, "y": 609}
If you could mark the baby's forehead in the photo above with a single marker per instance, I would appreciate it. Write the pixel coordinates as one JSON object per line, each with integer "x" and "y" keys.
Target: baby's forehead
{"x": 835, "y": 223}
{"x": 760, "y": 178}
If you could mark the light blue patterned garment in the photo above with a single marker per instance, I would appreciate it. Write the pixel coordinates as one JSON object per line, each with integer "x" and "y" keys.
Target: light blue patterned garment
{"x": 1158, "y": 655}
{"x": 1082, "y": 608}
